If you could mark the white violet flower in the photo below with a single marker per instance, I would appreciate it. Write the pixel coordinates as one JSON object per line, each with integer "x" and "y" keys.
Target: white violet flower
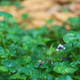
{"x": 60, "y": 47}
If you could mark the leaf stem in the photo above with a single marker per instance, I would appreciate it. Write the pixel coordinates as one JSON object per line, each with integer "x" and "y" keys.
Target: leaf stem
{"x": 74, "y": 56}
{"x": 2, "y": 41}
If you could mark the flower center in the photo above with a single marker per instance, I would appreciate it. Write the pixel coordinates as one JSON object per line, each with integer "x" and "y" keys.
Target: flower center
{"x": 60, "y": 48}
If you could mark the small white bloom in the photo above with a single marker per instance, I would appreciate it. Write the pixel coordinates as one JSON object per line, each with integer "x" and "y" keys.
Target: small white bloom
{"x": 60, "y": 47}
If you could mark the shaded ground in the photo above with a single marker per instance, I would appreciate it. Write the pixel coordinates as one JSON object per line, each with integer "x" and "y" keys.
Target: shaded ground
{"x": 42, "y": 10}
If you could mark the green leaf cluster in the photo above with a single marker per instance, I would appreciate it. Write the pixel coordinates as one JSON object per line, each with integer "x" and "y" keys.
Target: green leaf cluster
{"x": 31, "y": 54}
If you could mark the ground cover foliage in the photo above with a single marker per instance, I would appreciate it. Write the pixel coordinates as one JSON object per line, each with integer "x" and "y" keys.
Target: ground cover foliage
{"x": 32, "y": 55}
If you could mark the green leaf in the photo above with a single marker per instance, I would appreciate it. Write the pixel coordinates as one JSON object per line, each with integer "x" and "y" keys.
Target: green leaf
{"x": 71, "y": 37}
{"x": 73, "y": 64}
{"x": 60, "y": 67}
{"x": 50, "y": 21}
{"x": 3, "y": 54}
{"x": 44, "y": 65}
{"x": 27, "y": 59}
{"x": 74, "y": 23}
{"x": 5, "y": 3}
{"x": 18, "y": 5}
{"x": 24, "y": 16}
{"x": 36, "y": 65}
{"x": 70, "y": 70}
{"x": 65, "y": 78}
{"x": 18, "y": 76}
{"x": 77, "y": 77}
{"x": 12, "y": 65}
{"x": 24, "y": 60}
{"x": 13, "y": 38}
{"x": 5, "y": 15}
{"x": 3, "y": 68}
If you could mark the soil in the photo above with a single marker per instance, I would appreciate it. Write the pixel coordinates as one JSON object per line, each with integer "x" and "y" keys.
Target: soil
{"x": 41, "y": 10}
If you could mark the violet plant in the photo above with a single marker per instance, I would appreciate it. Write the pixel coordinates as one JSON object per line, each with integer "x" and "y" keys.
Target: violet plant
{"x": 60, "y": 47}
{"x": 20, "y": 51}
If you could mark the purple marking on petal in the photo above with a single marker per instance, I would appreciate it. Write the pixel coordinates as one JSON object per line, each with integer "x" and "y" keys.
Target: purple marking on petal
{"x": 60, "y": 48}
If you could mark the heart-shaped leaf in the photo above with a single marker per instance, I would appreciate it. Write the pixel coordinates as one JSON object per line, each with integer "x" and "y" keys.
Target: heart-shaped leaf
{"x": 71, "y": 37}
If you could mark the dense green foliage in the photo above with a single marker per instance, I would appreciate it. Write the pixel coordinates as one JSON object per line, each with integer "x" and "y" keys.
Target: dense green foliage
{"x": 21, "y": 50}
